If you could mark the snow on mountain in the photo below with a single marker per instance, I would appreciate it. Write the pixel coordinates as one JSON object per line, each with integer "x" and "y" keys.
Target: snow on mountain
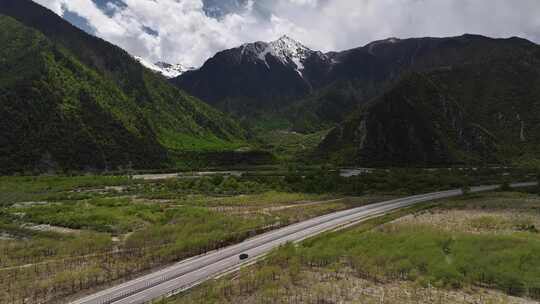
{"x": 172, "y": 70}
{"x": 285, "y": 49}
{"x": 166, "y": 69}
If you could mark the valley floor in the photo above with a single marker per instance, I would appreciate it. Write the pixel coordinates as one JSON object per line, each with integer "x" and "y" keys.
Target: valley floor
{"x": 478, "y": 249}
{"x": 65, "y": 236}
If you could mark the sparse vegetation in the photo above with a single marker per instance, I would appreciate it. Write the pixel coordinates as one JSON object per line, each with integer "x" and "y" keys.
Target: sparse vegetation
{"x": 79, "y": 232}
{"x": 76, "y": 233}
{"x": 421, "y": 253}
{"x": 79, "y": 109}
{"x": 92, "y": 106}
{"x": 288, "y": 145}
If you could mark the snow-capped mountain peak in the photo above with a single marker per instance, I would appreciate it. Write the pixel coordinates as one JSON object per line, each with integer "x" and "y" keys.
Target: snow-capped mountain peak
{"x": 286, "y": 47}
{"x": 172, "y": 70}
{"x": 166, "y": 69}
{"x": 287, "y": 50}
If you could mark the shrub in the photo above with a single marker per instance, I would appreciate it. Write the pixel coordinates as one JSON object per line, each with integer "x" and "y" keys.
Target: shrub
{"x": 538, "y": 181}
{"x": 505, "y": 186}
{"x": 217, "y": 179}
{"x": 466, "y": 189}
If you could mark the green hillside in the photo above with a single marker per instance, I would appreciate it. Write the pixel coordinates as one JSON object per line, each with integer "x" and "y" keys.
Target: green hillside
{"x": 97, "y": 108}
{"x": 477, "y": 113}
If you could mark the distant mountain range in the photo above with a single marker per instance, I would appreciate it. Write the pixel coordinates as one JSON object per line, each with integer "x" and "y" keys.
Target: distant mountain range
{"x": 257, "y": 74}
{"x": 423, "y": 100}
{"x": 69, "y": 100}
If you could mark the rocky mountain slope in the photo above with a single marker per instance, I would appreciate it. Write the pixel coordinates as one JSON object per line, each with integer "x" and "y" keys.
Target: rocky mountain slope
{"x": 362, "y": 74}
{"x": 484, "y": 109}
{"x": 257, "y": 75}
{"x": 383, "y": 96}
{"x": 69, "y": 100}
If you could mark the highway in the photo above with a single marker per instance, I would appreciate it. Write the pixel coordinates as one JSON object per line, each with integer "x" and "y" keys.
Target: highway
{"x": 190, "y": 272}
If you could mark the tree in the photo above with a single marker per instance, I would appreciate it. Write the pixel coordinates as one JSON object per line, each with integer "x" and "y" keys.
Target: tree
{"x": 466, "y": 189}
{"x": 217, "y": 179}
{"x": 506, "y": 185}
{"x": 538, "y": 181}
{"x": 230, "y": 184}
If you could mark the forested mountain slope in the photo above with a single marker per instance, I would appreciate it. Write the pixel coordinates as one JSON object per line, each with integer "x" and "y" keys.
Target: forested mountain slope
{"x": 314, "y": 90}
{"x": 69, "y": 100}
{"x": 396, "y": 101}
{"x": 480, "y": 111}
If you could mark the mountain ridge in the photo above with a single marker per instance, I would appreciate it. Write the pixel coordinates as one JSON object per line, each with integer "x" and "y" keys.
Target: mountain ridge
{"x": 373, "y": 62}
{"x": 478, "y": 112}
{"x": 460, "y": 99}
{"x": 366, "y": 81}
{"x": 254, "y": 72}
{"x": 100, "y": 108}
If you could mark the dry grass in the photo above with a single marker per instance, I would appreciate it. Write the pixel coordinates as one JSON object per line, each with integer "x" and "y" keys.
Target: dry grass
{"x": 277, "y": 281}
{"x": 344, "y": 287}
{"x": 500, "y": 213}
{"x": 474, "y": 221}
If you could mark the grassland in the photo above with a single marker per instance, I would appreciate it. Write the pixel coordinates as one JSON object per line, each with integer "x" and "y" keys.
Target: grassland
{"x": 60, "y": 236}
{"x": 434, "y": 255}
{"x": 291, "y": 145}
{"x": 15, "y": 189}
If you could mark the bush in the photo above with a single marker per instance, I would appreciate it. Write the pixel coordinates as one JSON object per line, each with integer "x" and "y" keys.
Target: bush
{"x": 466, "y": 189}
{"x": 217, "y": 179}
{"x": 422, "y": 253}
{"x": 538, "y": 181}
{"x": 230, "y": 184}
{"x": 505, "y": 186}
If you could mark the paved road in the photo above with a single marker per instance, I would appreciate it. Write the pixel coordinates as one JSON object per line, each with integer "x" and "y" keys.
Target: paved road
{"x": 188, "y": 273}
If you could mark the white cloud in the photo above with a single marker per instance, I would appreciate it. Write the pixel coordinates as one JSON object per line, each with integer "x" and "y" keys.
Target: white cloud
{"x": 53, "y": 5}
{"x": 187, "y": 35}
{"x": 341, "y": 24}
{"x": 312, "y": 3}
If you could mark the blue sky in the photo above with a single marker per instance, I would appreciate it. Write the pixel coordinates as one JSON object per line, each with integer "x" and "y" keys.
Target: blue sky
{"x": 191, "y": 31}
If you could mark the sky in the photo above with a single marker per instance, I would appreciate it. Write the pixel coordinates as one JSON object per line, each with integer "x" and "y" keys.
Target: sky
{"x": 191, "y": 31}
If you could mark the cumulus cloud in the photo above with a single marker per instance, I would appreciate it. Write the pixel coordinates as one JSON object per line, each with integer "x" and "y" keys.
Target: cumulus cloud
{"x": 190, "y": 31}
